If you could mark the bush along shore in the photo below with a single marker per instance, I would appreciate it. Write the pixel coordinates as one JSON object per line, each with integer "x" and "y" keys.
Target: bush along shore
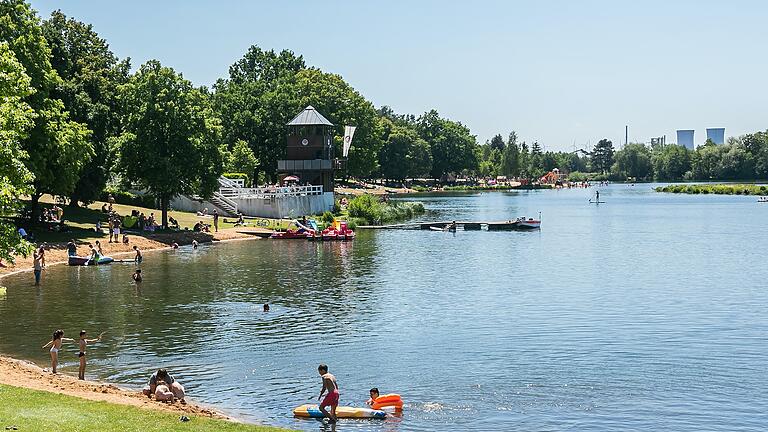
{"x": 370, "y": 210}
{"x": 717, "y": 189}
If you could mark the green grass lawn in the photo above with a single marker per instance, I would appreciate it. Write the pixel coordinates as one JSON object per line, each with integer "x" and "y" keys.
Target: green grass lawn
{"x": 32, "y": 410}
{"x": 82, "y": 221}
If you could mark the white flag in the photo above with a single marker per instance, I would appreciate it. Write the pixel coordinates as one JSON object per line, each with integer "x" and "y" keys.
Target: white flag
{"x": 349, "y": 132}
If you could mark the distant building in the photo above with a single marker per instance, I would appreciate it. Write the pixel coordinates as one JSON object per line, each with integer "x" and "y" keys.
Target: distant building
{"x": 685, "y": 138}
{"x": 717, "y": 135}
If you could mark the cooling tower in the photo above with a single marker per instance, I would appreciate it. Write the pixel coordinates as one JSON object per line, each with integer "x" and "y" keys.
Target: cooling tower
{"x": 685, "y": 138}
{"x": 717, "y": 135}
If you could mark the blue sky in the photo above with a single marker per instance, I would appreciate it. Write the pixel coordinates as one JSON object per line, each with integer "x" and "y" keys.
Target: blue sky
{"x": 555, "y": 71}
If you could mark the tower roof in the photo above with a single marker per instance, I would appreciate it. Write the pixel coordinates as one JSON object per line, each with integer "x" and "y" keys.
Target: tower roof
{"x": 309, "y": 116}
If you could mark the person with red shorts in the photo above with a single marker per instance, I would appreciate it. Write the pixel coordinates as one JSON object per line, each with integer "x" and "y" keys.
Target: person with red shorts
{"x": 332, "y": 398}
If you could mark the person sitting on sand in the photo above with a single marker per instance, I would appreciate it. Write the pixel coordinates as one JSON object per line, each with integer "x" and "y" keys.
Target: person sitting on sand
{"x": 55, "y": 344}
{"x": 163, "y": 392}
{"x": 162, "y": 376}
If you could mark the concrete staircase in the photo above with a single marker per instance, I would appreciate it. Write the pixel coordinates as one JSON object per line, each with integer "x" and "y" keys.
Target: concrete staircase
{"x": 226, "y": 205}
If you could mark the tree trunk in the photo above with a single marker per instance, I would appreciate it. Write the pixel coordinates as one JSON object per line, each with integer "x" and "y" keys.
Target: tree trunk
{"x": 35, "y": 206}
{"x": 164, "y": 207}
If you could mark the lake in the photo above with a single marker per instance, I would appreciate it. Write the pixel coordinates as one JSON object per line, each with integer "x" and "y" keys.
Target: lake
{"x": 647, "y": 312}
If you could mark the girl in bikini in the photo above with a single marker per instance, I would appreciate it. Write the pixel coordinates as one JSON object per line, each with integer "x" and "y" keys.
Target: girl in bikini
{"x": 55, "y": 344}
{"x": 83, "y": 344}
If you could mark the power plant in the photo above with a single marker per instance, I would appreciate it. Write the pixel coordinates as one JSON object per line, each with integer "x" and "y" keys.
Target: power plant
{"x": 685, "y": 138}
{"x": 717, "y": 135}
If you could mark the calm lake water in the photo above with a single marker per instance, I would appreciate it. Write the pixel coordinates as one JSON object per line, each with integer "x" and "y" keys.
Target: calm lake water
{"x": 647, "y": 312}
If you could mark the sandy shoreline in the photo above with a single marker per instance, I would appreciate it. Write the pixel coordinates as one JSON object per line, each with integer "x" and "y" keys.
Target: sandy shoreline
{"x": 22, "y": 373}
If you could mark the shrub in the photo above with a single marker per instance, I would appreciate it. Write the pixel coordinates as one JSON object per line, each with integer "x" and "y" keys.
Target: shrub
{"x": 128, "y": 198}
{"x": 368, "y": 209}
{"x": 327, "y": 217}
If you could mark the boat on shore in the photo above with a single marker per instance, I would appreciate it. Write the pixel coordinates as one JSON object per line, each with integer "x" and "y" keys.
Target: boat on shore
{"x": 84, "y": 261}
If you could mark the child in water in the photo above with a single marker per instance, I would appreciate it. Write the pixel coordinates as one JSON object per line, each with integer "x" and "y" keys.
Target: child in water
{"x": 374, "y": 392}
{"x": 138, "y": 258}
{"x": 83, "y": 344}
{"x": 332, "y": 398}
{"x": 136, "y": 276}
{"x": 55, "y": 344}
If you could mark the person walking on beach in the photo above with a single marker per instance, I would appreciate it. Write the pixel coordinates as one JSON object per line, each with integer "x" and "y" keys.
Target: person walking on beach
{"x": 216, "y": 220}
{"x": 83, "y": 344}
{"x": 138, "y": 258}
{"x": 39, "y": 264}
{"x": 332, "y": 388}
{"x": 55, "y": 344}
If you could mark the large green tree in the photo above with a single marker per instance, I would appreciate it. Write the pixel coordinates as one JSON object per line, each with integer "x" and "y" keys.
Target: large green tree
{"x": 634, "y": 160}
{"x": 453, "y": 146}
{"x": 57, "y": 147}
{"x": 404, "y": 154}
{"x": 171, "y": 141}
{"x": 670, "y": 162}
{"x": 510, "y": 160}
{"x": 91, "y": 75}
{"x": 241, "y": 160}
{"x": 16, "y": 119}
{"x": 265, "y": 90}
{"x": 602, "y": 156}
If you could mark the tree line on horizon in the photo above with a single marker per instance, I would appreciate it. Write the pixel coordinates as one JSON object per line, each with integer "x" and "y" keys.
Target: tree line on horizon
{"x": 75, "y": 119}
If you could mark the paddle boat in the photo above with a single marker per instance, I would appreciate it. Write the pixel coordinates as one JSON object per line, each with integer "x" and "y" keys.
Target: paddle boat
{"x": 83, "y": 261}
{"x": 290, "y": 234}
{"x": 313, "y": 411}
{"x": 299, "y": 233}
{"x": 330, "y": 234}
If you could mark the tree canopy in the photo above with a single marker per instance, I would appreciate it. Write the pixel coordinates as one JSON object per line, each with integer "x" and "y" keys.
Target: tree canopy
{"x": 90, "y": 75}
{"x": 16, "y": 119}
{"x": 57, "y": 148}
{"x": 171, "y": 141}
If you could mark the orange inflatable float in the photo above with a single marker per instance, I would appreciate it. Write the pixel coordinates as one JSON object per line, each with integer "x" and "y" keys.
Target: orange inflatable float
{"x": 388, "y": 401}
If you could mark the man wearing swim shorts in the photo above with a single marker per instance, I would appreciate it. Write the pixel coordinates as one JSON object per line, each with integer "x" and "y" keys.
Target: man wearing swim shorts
{"x": 332, "y": 398}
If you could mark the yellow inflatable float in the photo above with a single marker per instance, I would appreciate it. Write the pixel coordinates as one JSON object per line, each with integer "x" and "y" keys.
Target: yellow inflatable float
{"x": 313, "y": 411}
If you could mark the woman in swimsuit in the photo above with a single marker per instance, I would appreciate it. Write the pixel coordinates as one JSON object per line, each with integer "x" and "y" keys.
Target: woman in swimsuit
{"x": 83, "y": 344}
{"x": 55, "y": 344}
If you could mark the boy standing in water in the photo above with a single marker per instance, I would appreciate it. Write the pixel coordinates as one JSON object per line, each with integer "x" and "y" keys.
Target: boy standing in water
{"x": 138, "y": 258}
{"x": 83, "y": 344}
{"x": 332, "y": 398}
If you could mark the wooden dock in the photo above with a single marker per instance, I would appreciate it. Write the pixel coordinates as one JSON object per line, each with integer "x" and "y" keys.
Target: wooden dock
{"x": 508, "y": 225}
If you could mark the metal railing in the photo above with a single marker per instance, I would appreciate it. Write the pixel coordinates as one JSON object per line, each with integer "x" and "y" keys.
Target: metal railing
{"x": 269, "y": 192}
